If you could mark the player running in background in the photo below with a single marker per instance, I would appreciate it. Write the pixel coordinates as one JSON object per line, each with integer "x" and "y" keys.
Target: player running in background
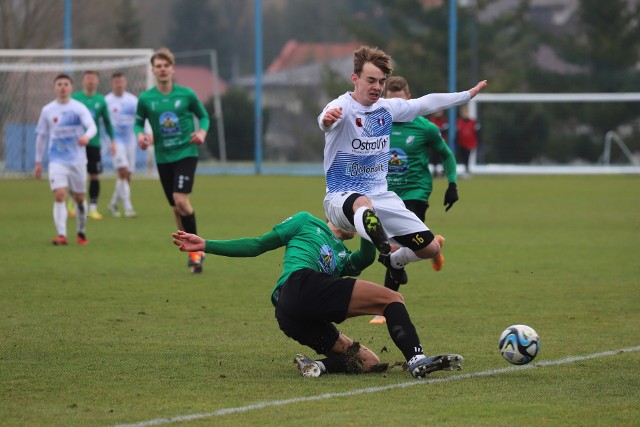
{"x": 97, "y": 105}
{"x": 311, "y": 295}
{"x": 357, "y": 127}
{"x": 67, "y": 126}
{"x": 409, "y": 176}
{"x": 170, "y": 109}
{"x": 122, "y": 109}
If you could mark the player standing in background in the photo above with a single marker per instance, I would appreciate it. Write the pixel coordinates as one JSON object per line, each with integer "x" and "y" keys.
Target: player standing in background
{"x": 409, "y": 176}
{"x": 170, "y": 109}
{"x": 122, "y": 109}
{"x": 439, "y": 119}
{"x": 466, "y": 137}
{"x": 67, "y": 125}
{"x": 97, "y": 105}
{"x": 357, "y": 128}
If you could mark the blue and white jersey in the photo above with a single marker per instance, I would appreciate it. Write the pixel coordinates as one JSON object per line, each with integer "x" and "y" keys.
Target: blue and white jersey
{"x": 63, "y": 124}
{"x": 122, "y": 110}
{"x": 356, "y": 151}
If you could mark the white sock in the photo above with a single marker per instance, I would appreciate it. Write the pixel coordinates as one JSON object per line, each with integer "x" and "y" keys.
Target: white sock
{"x": 359, "y": 223}
{"x": 115, "y": 197}
{"x": 60, "y": 217}
{"x": 402, "y": 257}
{"x": 81, "y": 216}
{"x": 125, "y": 194}
{"x": 93, "y": 207}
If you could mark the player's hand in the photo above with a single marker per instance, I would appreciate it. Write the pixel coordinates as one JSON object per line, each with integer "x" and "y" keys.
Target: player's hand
{"x": 38, "y": 170}
{"x": 198, "y": 137}
{"x": 188, "y": 242}
{"x": 477, "y": 88}
{"x": 83, "y": 140}
{"x": 144, "y": 141}
{"x": 331, "y": 116}
{"x": 451, "y": 196}
{"x": 112, "y": 148}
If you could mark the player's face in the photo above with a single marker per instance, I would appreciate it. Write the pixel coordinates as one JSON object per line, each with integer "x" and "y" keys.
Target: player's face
{"x": 62, "y": 88}
{"x": 397, "y": 94}
{"x": 162, "y": 70}
{"x": 90, "y": 83}
{"x": 368, "y": 86}
{"x": 119, "y": 85}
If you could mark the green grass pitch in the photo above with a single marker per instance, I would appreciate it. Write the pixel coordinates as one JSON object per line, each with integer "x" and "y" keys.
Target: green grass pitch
{"x": 120, "y": 332}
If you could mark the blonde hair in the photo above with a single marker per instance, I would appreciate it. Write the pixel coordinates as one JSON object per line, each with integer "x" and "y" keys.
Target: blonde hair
{"x": 165, "y": 54}
{"x": 374, "y": 55}
{"x": 396, "y": 84}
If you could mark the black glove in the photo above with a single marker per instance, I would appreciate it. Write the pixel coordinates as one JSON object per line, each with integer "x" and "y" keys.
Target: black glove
{"x": 451, "y": 196}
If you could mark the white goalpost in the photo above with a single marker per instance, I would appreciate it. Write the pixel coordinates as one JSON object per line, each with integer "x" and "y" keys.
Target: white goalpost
{"x": 26, "y": 78}
{"x": 631, "y": 129}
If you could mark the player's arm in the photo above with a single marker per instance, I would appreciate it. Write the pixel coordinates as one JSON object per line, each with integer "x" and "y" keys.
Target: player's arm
{"x": 106, "y": 119}
{"x": 433, "y": 102}
{"x": 243, "y": 247}
{"x": 91, "y": 129}
{"x": 204, "y": 121}
{"x": 41, "y": 144}
{"x": 360, "y": 259}
{"x": 448, "y": 159}
{"x": 144, "y": 140}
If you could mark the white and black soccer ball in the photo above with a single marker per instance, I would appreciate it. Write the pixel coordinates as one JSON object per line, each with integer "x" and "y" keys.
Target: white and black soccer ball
{"x": 519, "y": 344}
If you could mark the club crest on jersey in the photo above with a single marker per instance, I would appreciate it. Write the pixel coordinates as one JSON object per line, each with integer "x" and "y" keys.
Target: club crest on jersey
{"x": 326, "y": 259}
{"x": 358, "y": 122}
{"x": 55, "y": 120}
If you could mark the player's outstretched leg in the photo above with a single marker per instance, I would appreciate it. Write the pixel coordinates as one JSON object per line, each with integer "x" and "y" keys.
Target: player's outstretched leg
{"x": 373, "y": 229}
{"x": 438, "y": 261}
{"x": 308, "y": 367}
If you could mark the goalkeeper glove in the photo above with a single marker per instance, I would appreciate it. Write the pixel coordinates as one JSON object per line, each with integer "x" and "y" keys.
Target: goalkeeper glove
{"x": 451, "y": 196}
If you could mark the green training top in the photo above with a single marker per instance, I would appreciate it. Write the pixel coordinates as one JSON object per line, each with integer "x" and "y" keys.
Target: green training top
{"x": 171, "y": 119}
{"x": 409, "y": 176}
{"x": 98, "y": 107}
{"x": 309, "y": 244}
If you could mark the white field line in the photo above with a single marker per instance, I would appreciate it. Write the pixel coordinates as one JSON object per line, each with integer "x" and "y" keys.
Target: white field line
{"x": 271, "y": 403}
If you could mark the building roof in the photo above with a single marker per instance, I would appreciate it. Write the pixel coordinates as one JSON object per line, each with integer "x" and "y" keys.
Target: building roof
{"x": 200, "y": 79}
{"x": 295, "y": 54}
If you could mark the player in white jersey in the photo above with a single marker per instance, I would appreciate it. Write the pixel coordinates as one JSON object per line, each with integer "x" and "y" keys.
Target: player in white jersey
{"x": 122, "y": 109}
{"x": 67, "y": 125}
{"x": 357, "y": 126}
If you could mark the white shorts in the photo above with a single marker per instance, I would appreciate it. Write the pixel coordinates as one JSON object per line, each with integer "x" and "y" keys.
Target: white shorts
{"x": 73, "y": 177}
{"x": 396, "y": 219}
{"x": 125, "y": 157}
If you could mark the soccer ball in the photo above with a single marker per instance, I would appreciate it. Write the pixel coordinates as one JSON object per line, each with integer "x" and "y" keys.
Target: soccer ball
{"x": 519, "y": 344}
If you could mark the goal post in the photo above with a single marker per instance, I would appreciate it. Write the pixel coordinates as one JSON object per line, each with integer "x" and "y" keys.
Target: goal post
{"x": 26, "y": 78}
{"x": 557, "y": 132}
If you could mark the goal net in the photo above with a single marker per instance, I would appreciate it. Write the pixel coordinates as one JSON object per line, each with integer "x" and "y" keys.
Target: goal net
{"x": 557, "y": 133}
{"x": 26, "y": 78}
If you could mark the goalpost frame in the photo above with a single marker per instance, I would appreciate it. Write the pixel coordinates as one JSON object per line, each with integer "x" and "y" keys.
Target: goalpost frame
{"x": 473, "y": 104}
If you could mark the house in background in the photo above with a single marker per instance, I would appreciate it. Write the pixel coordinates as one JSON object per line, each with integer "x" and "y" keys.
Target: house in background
{"x": 293, "y": 90}
{"x": 201, "y": 80}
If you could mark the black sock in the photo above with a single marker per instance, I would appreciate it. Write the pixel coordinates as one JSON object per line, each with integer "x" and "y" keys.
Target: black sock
{"x": 189, "y": 223}
{"x": 401, "y": 330}
{"x": 94, "y": 191}
{"x": 335, "y": 363}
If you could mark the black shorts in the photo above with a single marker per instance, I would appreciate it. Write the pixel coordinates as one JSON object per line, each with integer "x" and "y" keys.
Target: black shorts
{"x": 94, "y": 160}
{"x": 309, "y": 302}
{"x": 177, "y": 177}
{"x": 418, "y": 207}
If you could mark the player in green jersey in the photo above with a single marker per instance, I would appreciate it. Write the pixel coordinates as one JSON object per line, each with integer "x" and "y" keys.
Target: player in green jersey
{"x": 96, "y": 103}
{"x": 409, "y": 176}
{"x": 170, "y": 110}
{"x": 312, "y": 295}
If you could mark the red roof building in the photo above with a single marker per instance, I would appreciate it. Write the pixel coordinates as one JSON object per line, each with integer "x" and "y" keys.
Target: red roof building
{"x": 200, "y": 79}
{"x": 295, "y": 54}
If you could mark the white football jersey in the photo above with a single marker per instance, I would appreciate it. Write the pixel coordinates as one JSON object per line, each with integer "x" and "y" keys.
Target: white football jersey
{"x": 63, "y": 124}
{"x": 356, "y": 151}
{"x": 122, "y": 110}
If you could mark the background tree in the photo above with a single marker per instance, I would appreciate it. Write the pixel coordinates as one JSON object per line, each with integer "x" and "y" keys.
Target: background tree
{"x": 127, "y": 25}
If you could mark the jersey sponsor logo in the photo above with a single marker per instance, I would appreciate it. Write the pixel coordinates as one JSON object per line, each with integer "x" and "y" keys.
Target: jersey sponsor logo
{"x": 398, "y": 161}
{"x": 326, "y": 259}
{"x": 372, "y": 145}
{"x": 355, "y": 169}
{"x": 169, "y": 123}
